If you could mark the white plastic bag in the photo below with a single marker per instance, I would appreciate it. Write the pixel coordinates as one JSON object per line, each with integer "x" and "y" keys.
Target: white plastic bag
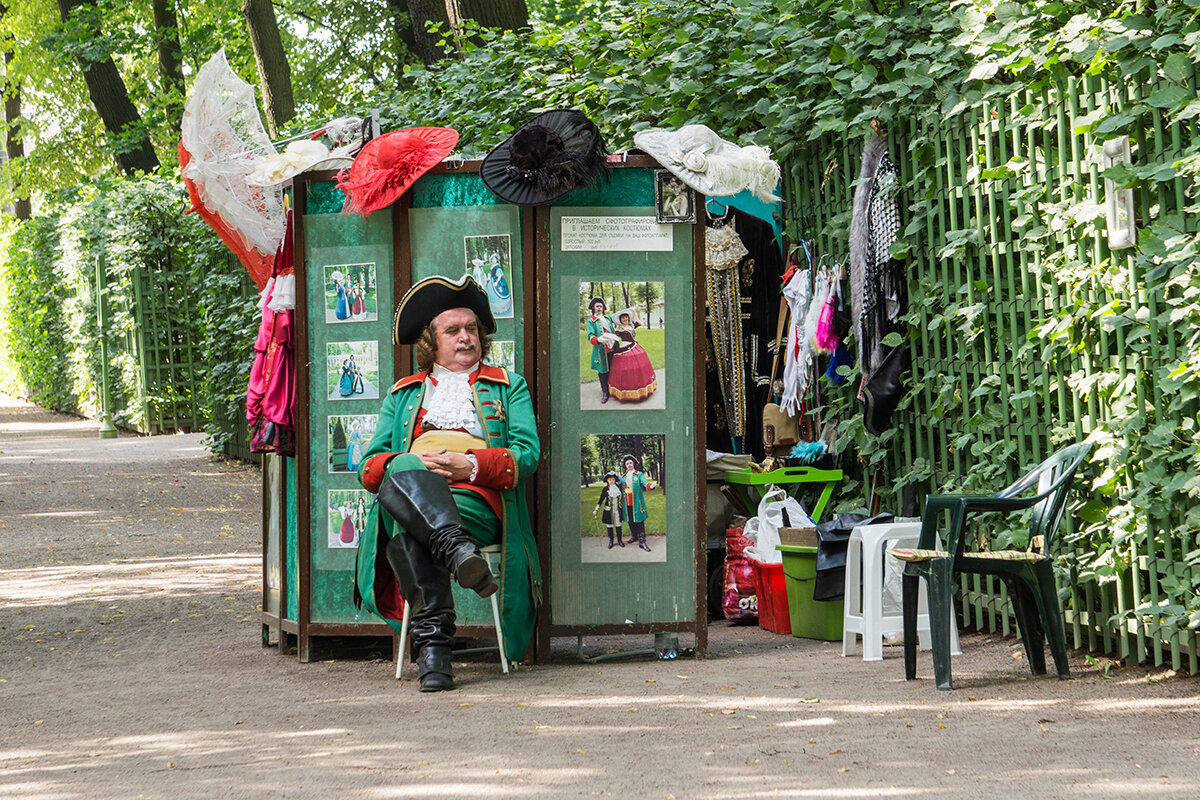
{"x": 763, "y": 530}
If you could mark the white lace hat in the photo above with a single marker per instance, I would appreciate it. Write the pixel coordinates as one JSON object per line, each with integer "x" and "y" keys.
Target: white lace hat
{"x": 300, "y": 156}
{"x": 711, "y": 165}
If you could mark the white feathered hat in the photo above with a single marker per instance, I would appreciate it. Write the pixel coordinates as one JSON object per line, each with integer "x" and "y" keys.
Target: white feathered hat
{"x": 711, "y": 165}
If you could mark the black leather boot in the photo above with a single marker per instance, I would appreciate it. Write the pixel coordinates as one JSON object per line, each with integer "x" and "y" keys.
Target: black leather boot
{"x": 603, "y": 387}
{"x": 425, "y": 586}
{"x": 433, "y": 665}
{"x": 610, "y": 538}
{"x": 421, "y": 503}
{"x": 620, "y": 542}
{"x": 642, "y": 540}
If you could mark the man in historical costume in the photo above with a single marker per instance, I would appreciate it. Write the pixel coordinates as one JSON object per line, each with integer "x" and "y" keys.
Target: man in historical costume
{"x": 633, "y": 484}
{"x": 454, "y": 445}
{"x": 601, "y": 332}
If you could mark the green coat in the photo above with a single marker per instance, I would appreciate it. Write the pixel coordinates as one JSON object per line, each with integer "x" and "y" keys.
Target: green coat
{"x": 600, "y": 355}
{"x": 639, "y": 502}
{"x": 506, "y": 412}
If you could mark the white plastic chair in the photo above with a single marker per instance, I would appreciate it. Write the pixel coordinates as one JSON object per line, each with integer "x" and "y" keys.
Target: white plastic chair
{"x": 863, "y": 613}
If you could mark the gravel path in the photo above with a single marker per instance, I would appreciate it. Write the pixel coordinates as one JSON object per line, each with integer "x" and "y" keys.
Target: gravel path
{"x": 131, "y": 667}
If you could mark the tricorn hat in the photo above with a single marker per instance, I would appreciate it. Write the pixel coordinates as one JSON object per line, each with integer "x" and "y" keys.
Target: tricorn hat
{"x": 389, "y": 165}
{"x": 430, "y": 297}
{"x": 711, "y": 165}
{"x": 545, "y": 158}
{"x": 637, "y": 462}
{"x": 611, "y": 474}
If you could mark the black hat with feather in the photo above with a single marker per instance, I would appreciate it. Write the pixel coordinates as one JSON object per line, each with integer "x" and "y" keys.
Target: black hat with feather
{"x": 546, "y": 158}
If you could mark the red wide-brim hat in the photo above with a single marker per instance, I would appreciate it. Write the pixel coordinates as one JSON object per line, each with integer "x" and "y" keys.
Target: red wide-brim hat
{"x": 388, "y": 166}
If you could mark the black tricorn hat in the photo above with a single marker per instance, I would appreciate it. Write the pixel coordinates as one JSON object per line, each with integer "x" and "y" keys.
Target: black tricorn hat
{"x": 430, "y": 297}
{"x": 611, "y": 474}
{"x": 637, "y": 462}
{"x": 545, "y": 158}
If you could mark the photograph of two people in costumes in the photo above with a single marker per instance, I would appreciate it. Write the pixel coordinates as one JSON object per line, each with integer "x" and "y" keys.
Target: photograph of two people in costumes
{"x": 623, "y": 511}
{"x": 350, "y": 293}
{"x": 352, "y": 370}
{"x": 622, "y": 347}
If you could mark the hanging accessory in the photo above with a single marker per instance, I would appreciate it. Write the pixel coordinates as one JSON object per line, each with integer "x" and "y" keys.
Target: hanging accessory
{"x": 778, "y": 428}
{"x": 723, "y": 251}
{"x": 883, "y": 389}
{"x": 389, "y": 165}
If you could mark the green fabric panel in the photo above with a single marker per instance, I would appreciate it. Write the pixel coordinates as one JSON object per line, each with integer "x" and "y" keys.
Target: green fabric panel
{"x": 622, "y": 187}
{"x": 582, "y": 593}
{"x": 325, "y": 198}
{"x": 341, "y": 239}
{"x": 439, "y": 248}
{"x": 291, "y": 561}
{"x": 452, "y": 189}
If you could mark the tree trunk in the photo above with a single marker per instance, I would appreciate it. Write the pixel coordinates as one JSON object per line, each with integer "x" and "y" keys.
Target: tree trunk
{"x": 420, "y": 14}
{"x": 507, "y": 14}
{"x": 273, "y": 70}
{"x": 403, "y": 36}
{"x": 22, "y": 208}
{"x": 170, "y": 56}
{"x": 111, "y": 100}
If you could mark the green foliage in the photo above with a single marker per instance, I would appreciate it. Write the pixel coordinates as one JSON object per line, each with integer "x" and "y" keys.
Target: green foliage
{"x": 137, "y": 231}
{"x": 339, "y": 54}
{"x": 807, "y": 79}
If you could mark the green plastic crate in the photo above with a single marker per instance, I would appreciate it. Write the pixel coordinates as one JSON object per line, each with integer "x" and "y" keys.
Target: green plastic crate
{"x": 811, "y": 619}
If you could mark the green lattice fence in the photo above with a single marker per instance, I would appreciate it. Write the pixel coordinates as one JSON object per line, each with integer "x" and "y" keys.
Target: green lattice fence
{"x": 167, "y": 343}
{"x": 1007, "y": 237}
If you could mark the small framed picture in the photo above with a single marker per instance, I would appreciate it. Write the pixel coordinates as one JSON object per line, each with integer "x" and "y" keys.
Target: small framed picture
{"x": 674, "y": 200}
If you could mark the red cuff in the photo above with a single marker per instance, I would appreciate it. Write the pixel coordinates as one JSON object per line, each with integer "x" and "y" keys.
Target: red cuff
{"x": 374, "y": 471}
{"x": 497, "y": 468}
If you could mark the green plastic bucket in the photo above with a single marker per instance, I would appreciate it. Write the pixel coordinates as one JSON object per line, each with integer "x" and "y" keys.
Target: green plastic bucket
{"x": 811, "y": 619}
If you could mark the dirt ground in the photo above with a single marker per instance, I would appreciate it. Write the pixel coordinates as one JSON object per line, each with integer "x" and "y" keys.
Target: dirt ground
{"x": 131, "y": 666}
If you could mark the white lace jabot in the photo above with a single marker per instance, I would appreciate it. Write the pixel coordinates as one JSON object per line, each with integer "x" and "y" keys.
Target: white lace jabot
{"x": 451, "y": 406}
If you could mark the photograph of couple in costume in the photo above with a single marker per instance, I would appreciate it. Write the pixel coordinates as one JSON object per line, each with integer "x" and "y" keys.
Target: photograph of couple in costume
{"x": 350, "y": 291}
{"x": 347, "y": 516}
{"x": 352, "y": 370}
{"x": 623, "y": 514}
{"x": 622, "y": 345}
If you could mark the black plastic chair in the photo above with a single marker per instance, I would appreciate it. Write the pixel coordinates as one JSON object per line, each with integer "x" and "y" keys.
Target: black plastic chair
{"x": 1028, "y": 574}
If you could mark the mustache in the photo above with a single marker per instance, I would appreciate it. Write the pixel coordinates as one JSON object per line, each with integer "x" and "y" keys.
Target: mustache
{"x": 465, "y": 348}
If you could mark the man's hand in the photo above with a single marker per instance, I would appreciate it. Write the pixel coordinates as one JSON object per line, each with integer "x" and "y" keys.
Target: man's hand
{"x": 593, "y": 513}
{"x": 454, "y": 467}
